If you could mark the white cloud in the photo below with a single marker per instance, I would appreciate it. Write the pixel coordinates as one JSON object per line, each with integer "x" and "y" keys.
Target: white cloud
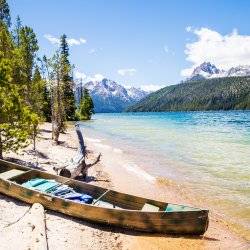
{"x": 71, "y": 41}
{"x": 127, "y": 86}
{"x": 225, "y": 51}
{"x": 52, "y": 39}
{"x": 96, "y": 77}
{"x": 128, "y": 72}
{"x": 151, "y": 87}
{"x": 92, "y": 51}
{"x": 166, "y": 49}
{"x": 88, "y": 78}
{"x": 80, "y": 75}
{"x": 189, "y": 28}
{"x": 83, "y": 40}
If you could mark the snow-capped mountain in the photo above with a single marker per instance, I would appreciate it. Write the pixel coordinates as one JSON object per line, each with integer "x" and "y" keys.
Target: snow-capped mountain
{"x": 136, "y": 93}
{"x": 243, "y": 70}
{"x": 109, "y": 96}
{"x": 208, "y": 70}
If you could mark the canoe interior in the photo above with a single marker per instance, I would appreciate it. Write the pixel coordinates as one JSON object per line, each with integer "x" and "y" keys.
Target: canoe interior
{"x": 117, "y": 199}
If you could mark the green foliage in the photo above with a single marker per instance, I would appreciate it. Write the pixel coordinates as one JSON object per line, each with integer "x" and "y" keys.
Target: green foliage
{"x": 15, "y": 117}
{"x": 5, "y": 13}
{"x": 53, "y": 67}
{"x": 86, "y": 108}
{"x": 16, "y": 31}
{"x": 21, "y": 87}
{"x": 67, "y": 80}
{"x": 210, "y": 94}
{"x": 38, "y": 95}
{"x": 28, "y": 46}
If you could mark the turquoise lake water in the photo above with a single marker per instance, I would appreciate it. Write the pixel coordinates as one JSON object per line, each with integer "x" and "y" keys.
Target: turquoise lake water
{"x": 208, "y": 151}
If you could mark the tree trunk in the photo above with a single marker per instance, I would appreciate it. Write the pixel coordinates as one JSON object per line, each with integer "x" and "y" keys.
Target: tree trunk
{"x": 34, "y": 136}
{"x": 73, "y": 171}
{"x": 1, "y": 147}
{"x": 57, "y": 123}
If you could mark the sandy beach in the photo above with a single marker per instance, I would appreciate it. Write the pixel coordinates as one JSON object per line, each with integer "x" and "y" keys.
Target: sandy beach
{"x": 64, "y": 232}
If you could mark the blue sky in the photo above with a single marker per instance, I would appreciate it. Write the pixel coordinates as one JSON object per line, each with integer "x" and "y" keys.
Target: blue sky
{"x": 141, "y": 42}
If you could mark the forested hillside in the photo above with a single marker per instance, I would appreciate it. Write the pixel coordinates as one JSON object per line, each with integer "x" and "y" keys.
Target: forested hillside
{"x": 208, "y": 94}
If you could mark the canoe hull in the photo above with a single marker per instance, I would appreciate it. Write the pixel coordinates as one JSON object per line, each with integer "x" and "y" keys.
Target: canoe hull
{"x": 189, "y": 222}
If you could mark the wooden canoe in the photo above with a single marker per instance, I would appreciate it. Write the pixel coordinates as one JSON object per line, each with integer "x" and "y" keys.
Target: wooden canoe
{"x": 123, "y": 210}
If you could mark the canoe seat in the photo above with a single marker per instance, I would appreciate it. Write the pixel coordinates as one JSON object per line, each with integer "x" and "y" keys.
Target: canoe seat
{"x": 150, "y": 208}
{"x": 105, "y": 204}
{"x": 11, "y": 173}
{"x": 100, "y": 203}
{"x": 179, "y": 208}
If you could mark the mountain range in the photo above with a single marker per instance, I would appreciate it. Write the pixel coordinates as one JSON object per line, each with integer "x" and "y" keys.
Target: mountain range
{"x": 224, "y": 93}
{"x": 109, "y": 96}
{"x": 208, "y": 88}
{"x": 208, "y": 70}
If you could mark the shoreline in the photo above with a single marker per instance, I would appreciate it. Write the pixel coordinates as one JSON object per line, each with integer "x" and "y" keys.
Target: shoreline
{"x": 166, "y": 189}
{"x": 105, "y": 174}
{"x": 139, "y": 166}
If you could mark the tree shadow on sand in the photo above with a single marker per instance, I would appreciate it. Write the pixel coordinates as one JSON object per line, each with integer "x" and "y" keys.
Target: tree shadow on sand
{"x": 25, "y": 163}
{"x": 89, "y": 179}
{"x": 37, "y": 153}
{"x": 66, "y": 145}
{"x": 46, "y": 130}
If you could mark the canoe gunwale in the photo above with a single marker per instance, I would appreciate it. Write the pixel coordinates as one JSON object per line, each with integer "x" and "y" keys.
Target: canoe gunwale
{"x": 42, "y": 194}
{"x": 184, "y": 222}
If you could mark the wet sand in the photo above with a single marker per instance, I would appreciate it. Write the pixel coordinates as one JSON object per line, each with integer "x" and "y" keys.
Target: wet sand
{"x": 64, "y": 232}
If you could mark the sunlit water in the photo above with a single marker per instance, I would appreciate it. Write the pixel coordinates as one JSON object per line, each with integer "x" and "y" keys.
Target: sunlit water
{"x": 208, "y": 151}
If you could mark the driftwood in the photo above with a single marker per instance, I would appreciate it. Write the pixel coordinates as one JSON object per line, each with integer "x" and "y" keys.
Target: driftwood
{"x": 72, "y": 171}
{"x": 30, "y": 226}
{"x": 77, "y": 165}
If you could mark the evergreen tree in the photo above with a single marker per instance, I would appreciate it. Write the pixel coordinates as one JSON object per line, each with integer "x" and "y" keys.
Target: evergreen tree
{"x": 86, "y": 108}
{"x": 47, "y": 90}
{"x": 28, "y": 49}
{"x": 37, "y": 103}
{"x": 16, "y": 32}
{"x": 5, "y": 13}
{"x": 46, "y": 109}
{"x": 67, "y": 80}
{"x": 53, "y": 68}
{"x": 38, "y": 88}
{"x": 15, "y": 115}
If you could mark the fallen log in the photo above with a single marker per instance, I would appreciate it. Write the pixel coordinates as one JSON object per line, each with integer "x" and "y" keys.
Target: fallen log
{"x": 26, "y": 232}
{"x": 38, "y": 236}
{"x": 74, "y": 169}
{"x": 77, "y": 165}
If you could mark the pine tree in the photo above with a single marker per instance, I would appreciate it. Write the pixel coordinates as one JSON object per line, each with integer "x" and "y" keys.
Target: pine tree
{"x": 67, "y": 80}
{"x": 5, "y": 13}
{"x": 28, "y": 49}
{"x": 53, "y": 68}
{"x": 86, "y": 108}
{"x": 37, "y": 103}
{"x": 16, "y": 31}
{"x": 46, "y": 109}
{"x": 15, "y": 118}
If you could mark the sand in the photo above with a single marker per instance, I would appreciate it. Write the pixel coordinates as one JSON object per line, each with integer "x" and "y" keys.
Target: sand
{"x": 64, "y": 232}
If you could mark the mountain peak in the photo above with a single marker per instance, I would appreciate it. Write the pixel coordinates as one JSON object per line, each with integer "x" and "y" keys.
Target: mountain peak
{"x": 109, "y": 96}
{"x": 208, "y": 70}
{"x": 205, "y": 69}
{"x": 241, "y": 70}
